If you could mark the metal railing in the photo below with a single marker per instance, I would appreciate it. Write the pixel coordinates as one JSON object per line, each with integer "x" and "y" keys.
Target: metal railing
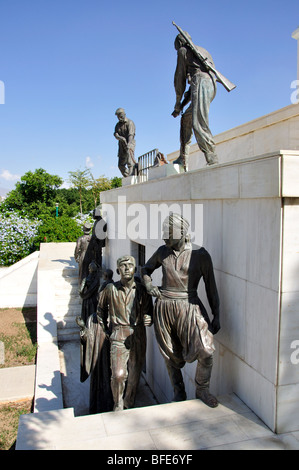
{"x": 145, "y": 162}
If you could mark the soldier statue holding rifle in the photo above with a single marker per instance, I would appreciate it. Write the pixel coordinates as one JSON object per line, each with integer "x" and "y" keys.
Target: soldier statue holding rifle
{"x": 195, "y": 66}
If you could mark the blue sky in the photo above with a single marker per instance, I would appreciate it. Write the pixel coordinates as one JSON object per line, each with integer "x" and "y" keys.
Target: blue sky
{"x": 67, "y": 65}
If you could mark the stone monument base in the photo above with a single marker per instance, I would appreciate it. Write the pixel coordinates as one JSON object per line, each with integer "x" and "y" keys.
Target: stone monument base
{"x": 164, "y": 170}
{"x": 128, "y": 180}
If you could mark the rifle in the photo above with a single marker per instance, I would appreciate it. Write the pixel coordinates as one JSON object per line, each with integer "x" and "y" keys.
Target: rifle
{"x": 220, "y": 78}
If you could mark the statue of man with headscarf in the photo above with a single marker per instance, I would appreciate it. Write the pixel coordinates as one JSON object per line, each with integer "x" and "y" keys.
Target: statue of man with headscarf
{"x": 183, "y": 329}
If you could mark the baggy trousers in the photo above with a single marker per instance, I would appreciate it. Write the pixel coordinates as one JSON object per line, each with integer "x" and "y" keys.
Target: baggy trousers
{"x": 196, "y": 119}
{"x": 183, "y": 336}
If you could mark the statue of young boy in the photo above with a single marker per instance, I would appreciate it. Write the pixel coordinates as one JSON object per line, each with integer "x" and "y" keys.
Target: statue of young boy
{"x": 124, "y": 309}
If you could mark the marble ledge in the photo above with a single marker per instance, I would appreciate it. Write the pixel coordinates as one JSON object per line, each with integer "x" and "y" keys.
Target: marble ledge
{"x": 271, "y": 175}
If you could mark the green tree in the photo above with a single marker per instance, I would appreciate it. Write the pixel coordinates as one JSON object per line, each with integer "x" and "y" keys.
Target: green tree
{"x": 98, "y": 185}
{"x": 80, "y": 179}
{"x": 116, "y": 182}
{"x": 69, "y": 201}
{"x": 39, "y": 186}
{"x": 35, "y": 193}
{"x": 61, "y": 229}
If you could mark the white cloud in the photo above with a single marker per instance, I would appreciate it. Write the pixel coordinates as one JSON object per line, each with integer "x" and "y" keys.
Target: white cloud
{"x": 8, "y": 176}
{"x": 65, "y": 185}
{"x": 88, "y": 162}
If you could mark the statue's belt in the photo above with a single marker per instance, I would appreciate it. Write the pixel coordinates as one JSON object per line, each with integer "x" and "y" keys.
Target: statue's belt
{"x": 177, "y": 294}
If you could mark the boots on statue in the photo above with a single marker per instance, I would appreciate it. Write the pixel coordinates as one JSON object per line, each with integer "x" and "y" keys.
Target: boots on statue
{"x": 211, "y": 158}
{"x": 202, "y": 380}
{"x": 177, "y": 382}
{"x": 183, "y": 161}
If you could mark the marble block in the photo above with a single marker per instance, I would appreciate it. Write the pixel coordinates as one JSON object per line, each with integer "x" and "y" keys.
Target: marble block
{"x": 163, "y": 171}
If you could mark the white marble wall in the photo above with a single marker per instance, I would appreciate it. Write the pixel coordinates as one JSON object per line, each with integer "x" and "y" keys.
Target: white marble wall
{"x": 288, "y": 370}
{"x": 250, "y": 230}
{"x": 18, "y": 283}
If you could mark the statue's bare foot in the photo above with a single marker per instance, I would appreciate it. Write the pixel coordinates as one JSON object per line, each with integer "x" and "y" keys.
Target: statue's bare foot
{"x": 207, "y": 398}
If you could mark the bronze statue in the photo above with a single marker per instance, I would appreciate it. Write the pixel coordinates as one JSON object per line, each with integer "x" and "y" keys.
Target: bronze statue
{"x": 82, "y": 254}
{"x": 183, "y": 329}
{"x": 124, "y": 309}
{"x": 95, "y": 362}
{"x": 125, "y": 134}
{"x": 108, "y": 278}
{"x": 113, "y": 345}
{"x": 89, "y": 291}
{"x": 98, "y": 237}
{"x": 201, "y": 94}
{"x": 195, "y": 65}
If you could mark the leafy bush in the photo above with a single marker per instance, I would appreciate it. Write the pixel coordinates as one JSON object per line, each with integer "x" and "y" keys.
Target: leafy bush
{"x": 60, "y": 229}
{"x": 28, "y": 214}
{"x": 17, "y": 235}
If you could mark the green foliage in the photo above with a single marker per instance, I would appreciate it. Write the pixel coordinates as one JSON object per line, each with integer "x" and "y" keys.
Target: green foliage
{"x": 60, "y": 229}
{"x": 80, "y": 179}
{"x": 28, "y": 214}
{"x": 98, "y": 185}
{"x": 69, "y": 201}
{"x": 116, "y": 182}
{"x": 34, "y": 195}
{"x": 39, "y": 186}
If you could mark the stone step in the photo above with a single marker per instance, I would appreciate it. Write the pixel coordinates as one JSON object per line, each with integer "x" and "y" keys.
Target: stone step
{"x": 64, "y": 300}
{"x": 67, "y": 310}
{"x": 67, "y": 289}
{"x": 67, "y": 322}
{"x": 70, "y": 271}
{"x": 68, "y": 282}
{"x": 68, "y": 334}
{"x": 183, "y": 426}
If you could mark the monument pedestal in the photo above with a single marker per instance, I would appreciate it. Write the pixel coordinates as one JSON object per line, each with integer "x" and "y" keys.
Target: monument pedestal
{"x": 164, "y": 170}
{"x": 128, "y": 180}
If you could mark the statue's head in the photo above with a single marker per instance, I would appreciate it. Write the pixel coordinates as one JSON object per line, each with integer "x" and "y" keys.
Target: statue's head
{"x": 180, "y": 41}
{"x": 175, "y": 229}
{"x": 126, "y": 267}
{"x": 120, "y": 113}
{"x": 93, "y": 267}
{"x": 108, "y": 274}
{"x": 87, "y": 228}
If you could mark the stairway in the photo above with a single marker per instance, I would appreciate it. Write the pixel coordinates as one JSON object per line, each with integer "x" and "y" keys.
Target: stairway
{"x": 68, "y": 304}
{"x": 182, "y": 426}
